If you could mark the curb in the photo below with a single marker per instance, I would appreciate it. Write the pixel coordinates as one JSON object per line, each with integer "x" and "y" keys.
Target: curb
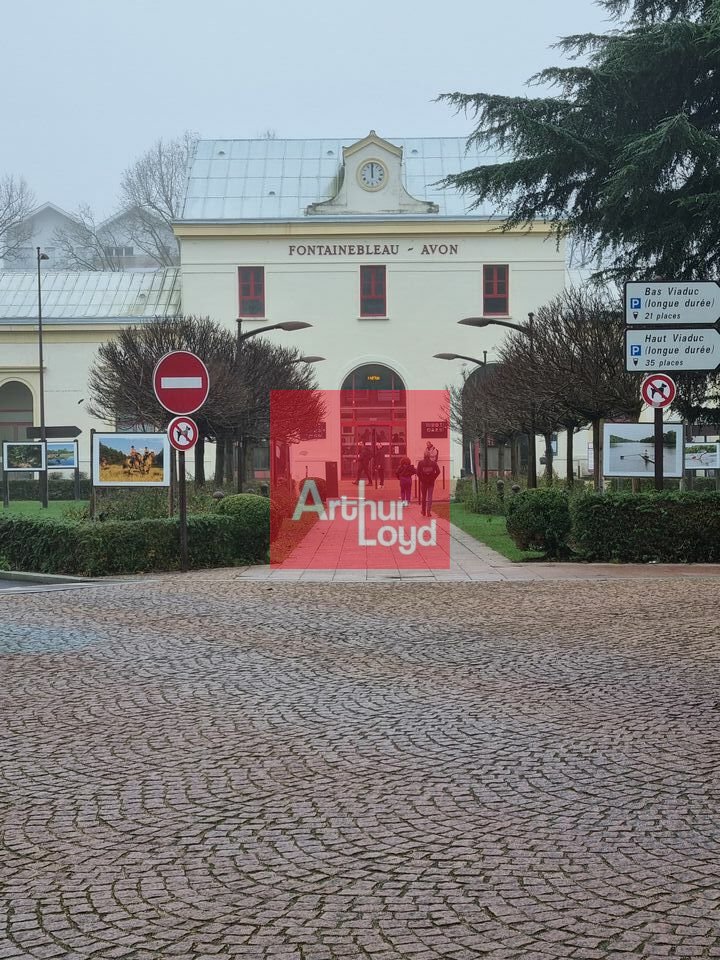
{"x": 21, "y": 575}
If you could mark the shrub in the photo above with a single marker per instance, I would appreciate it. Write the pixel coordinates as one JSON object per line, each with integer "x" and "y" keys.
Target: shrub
{"x": 251, "y": 517}
{"x": 663, "y": 526}
{"x": 464, "y": 489}
{"x": 540, "y": 520}
{"x": 320, "y": 483}
{"x": 282, "y": 506}
{"x": 486, "y": 500}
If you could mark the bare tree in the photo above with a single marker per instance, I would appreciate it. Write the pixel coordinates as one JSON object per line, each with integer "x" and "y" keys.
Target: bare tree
{"x": 580, "y": 357}
{"x": 151, "y": 195}
{"x": 16, "y": 203}
{"x": 87, "y": 245}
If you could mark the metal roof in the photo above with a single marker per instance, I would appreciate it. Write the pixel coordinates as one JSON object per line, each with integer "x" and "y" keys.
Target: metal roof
{"x": 278, "y": 179}
{"x": 92, "y": 296}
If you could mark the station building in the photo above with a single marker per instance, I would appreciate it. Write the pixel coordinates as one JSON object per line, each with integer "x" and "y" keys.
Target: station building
{"x": 360, "y": 239}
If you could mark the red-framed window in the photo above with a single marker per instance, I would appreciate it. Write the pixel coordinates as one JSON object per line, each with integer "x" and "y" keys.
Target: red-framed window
{"x": 373, "y": 291}
{"x": 495, "y": 290}
{"x": 251, "y": 285}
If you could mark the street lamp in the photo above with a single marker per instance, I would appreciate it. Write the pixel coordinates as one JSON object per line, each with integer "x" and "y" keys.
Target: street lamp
{"x": 43, "y": 434}
{"x": 308, "y": 359}
{"x": 480, "y": 363}
{"x": 287, "y": 325}
{"x": 527, "y": 330}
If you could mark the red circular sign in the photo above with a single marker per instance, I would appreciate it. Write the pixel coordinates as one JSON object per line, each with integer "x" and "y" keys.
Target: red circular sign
{"x": 658, "y": 390}
{"x": 182, "y": 433}
{"x": 181, "y": 382}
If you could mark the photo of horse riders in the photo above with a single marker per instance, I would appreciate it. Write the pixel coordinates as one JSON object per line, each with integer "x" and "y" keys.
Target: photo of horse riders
{"x": 131, "y": 459}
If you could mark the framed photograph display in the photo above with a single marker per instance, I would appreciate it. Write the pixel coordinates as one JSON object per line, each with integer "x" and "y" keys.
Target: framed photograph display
{"x": 62, "y": 454}
{"x": 131, "y": 460}
{"x": 629, "y": 450}
{"x": 23, "y": 456}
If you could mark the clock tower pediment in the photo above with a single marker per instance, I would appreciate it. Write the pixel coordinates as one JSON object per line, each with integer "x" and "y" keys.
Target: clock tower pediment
{"x": 371, "y": 182}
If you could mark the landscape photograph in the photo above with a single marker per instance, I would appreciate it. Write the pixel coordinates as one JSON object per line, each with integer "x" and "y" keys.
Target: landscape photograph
{"x": 62, "y": 455}
{"x": 629, "y": 450}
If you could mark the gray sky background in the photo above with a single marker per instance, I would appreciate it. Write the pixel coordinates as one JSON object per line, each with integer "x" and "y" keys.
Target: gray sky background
{"x": 89, "y": 85}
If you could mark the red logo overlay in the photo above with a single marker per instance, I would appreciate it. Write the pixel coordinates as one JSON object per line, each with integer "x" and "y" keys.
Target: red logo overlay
{"x": 360, "y": 479}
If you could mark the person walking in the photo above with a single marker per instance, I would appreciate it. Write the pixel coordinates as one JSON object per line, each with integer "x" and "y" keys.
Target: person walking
{"x": 428, "y": 472}
{"x": 379, "y": 464}
{"x": 405, "y": 472}
{"x": 363, "y": 464}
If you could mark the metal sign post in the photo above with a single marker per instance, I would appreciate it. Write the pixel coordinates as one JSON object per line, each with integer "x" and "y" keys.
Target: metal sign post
{"x": 183, "y": 435}
{"x": 658, "y": 391}
{"x": 182, "y": 498}
{"x": 659, "y": 448}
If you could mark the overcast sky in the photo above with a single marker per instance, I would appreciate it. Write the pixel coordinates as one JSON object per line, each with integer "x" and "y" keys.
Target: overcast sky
{"x": 89, "y": 85}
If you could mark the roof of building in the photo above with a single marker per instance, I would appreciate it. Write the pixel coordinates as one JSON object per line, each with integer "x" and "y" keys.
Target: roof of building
{"x": 92, "y": 296}
{"x": 277, "y": 179}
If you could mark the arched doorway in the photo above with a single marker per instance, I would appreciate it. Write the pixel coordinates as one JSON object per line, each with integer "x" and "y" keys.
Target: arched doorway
{"x": 373, "y": 411}
{"x": 16, "y": 412}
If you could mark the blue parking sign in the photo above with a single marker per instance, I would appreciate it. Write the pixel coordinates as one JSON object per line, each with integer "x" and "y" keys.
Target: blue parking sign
{"x": 635, "y": 350}
{"x": 635, "y": 303}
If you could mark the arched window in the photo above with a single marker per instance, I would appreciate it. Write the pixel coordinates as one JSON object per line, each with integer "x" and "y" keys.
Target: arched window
{"x": 16, "y": 411}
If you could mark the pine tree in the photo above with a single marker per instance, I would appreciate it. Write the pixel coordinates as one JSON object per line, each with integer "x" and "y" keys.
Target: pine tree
{"x": 625, "y": 157}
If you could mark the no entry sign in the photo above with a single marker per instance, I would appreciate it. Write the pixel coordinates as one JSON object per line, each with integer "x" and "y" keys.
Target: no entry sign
{"x": 181, "y": 382}
{"x": 182, "y": 433}
{"x": 658, "y": 390}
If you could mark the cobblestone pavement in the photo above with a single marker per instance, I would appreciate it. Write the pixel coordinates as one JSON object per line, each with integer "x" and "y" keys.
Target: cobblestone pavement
{"x": 198, "y": 768}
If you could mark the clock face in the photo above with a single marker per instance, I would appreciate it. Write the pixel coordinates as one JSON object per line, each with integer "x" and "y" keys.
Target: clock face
{"x": 372, "y": 175}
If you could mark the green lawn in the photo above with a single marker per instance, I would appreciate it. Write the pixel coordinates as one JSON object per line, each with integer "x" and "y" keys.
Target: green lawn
{"x": 32, "y": 508}
{"x": 491, "y": 531}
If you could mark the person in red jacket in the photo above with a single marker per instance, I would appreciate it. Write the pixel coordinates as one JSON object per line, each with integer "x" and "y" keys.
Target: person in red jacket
{"x": 427, "y": 471}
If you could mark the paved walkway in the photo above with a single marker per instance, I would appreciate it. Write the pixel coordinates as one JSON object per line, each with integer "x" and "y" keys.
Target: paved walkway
{"x": 195, "y": 768}
{"x": 471, "y": 560}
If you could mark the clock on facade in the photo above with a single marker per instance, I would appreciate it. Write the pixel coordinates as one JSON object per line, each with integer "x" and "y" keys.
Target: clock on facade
{"x": 372, "y": 175}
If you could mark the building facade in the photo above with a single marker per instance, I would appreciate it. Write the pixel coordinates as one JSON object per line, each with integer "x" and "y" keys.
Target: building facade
{"x": 361, "y": 240}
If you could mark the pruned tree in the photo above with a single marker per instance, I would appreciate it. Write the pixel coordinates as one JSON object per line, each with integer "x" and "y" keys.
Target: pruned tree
{"x": 579, "y": 353}
{"x": 16, "y": 203}
{"x": 625, "y": 157}
{"x": 121, "y": 387}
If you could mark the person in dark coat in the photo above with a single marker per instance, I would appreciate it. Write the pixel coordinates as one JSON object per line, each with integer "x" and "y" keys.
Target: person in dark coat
{"x": 379, "y": 463}
{"x": 363, "y": 463}
{"x": 405, "y": 472}
{"x": 427, "y": 471}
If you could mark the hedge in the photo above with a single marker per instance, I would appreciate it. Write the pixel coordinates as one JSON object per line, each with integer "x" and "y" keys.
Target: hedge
{"x": 57, "y": 489}
{"x": 125, "y": 546}
{"x": 540, "y": 520}
{"x": 250, "y": 514}
{"x": 665, "y": 527}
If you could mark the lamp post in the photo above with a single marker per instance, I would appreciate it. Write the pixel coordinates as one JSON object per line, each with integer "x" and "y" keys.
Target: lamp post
{"x": 480, "y": 363}
{"x": 287, "y": 325}
{"x": 528, "y": 331}
{"x": 43, "y": 435}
